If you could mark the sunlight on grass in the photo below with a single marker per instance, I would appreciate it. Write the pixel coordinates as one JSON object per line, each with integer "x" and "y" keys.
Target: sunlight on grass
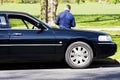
{"x": 33, "y": 9}
{"x": 86, "y": 14}
{"x": 92, "y": 8}
{"x": 87, "y": 8}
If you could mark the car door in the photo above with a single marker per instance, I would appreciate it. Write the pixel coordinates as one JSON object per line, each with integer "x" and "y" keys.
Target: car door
{"x": 30, "y": 44}
{"x": 4, "y": 37}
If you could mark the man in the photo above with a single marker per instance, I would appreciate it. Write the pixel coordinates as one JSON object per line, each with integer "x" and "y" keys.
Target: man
{"x": 65, "y": 19}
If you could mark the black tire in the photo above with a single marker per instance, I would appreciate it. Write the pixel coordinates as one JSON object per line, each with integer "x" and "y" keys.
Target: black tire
{"x": 79, "y": 55}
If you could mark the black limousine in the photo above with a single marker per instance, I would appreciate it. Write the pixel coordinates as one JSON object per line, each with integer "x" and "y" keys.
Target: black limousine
{"x": 24, "y": 38}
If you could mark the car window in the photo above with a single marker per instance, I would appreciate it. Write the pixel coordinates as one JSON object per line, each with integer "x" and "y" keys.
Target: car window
{"x": 18, "y": 22}
{"x": 2, "y": 21}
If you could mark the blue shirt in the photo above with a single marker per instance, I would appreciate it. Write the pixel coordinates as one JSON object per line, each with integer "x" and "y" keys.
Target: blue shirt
{"x": 65, "y": 20}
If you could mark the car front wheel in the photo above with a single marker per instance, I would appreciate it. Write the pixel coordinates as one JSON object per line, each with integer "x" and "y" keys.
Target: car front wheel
{"x": 79, "y": 55}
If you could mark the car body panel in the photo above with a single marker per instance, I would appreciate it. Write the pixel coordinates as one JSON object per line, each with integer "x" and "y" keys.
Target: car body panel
{"x": 31, "y": 43}
{"x": 4, "y": 38}
{"x": 101, "y": 49}
{"x": 45, "y": 43}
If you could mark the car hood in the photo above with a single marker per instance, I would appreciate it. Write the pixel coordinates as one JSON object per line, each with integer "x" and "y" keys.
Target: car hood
{"x": 73, "y": 33}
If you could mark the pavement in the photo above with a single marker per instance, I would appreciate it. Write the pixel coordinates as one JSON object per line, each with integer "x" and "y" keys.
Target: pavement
{"x": 98, "y": 72}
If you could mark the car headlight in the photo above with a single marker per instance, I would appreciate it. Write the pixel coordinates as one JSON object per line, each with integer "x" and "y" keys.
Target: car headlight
{"x": 104, "y": 38}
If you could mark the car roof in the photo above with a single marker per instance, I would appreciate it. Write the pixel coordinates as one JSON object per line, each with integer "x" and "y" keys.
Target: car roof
{"x": 13, "y": 12}
{"x": 17, "y": 13}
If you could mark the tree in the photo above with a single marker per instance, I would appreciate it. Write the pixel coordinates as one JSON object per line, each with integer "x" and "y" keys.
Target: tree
{"x": 116, "y": 1}
{"x": 16, "y": 1}
{"x": 48, "y": 10}
{"x": 44, "y": 7}
{"x": 52, "y": 8}
{"x": 1, "y": 2}
{"x": 77, "y": 1}
{"x": 22, "y": 1}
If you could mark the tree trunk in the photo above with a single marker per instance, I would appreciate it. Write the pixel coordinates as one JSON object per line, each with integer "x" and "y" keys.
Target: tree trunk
{"x": 52, "y": 8}
{"x": 1, "y": 2}
{"x": 48, "y": 11}
{"x": 43, "y": 10}
{"x": 22, "y": 1}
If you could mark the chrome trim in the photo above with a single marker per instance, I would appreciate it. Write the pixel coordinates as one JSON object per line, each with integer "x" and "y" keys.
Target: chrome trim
{"x": 30, "y": 45}
{"x": 22, "y": 29}
{"x": 106, "y": 43}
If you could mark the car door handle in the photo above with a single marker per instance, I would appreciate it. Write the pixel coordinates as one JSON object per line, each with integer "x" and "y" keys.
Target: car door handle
{"x": 17, "y": 34}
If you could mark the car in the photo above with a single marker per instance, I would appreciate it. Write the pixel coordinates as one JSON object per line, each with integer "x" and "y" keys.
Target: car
{"x": 24, "y": 38}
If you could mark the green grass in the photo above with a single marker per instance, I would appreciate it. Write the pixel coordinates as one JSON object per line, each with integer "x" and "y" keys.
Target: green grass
{"x": 92, "y": 8}
{"x": 81, "y": 9}
{"x": 87, "y": 8}
{"x": 98, "y": 20}
{"x": 92, "y": 15}
{"x": 33, "y": 9}
{"x": 116, "y": 38}
{"x": 86, "y": 15}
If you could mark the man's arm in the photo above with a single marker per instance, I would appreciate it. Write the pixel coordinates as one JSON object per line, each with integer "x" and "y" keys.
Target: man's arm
{"x": 57, "y": 20}
{"x": 73, "y": 23}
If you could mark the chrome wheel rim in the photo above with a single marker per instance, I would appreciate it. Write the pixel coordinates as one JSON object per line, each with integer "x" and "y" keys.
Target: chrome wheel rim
{"x": 79, "y": 55}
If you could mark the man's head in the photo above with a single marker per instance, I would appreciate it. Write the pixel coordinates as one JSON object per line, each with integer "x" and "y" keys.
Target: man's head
{"x": 68, "y": 7}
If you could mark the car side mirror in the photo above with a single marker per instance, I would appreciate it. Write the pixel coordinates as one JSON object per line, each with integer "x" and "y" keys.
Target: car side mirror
{"x": 40, "y": 26}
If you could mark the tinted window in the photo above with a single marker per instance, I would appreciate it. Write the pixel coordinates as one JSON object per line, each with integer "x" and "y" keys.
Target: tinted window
{"x": 2, "y": 22}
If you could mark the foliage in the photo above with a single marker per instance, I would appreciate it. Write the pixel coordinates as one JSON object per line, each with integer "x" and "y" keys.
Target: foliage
{"x": 84, "y": 1}
{"x": 21, "y": 1}
{"x": 63, "y": 1}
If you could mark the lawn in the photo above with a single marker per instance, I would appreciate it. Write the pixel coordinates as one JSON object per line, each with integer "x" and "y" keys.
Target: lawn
{"x": 77, "y": 9}
{"x": 92, "y": 8}
{"x": 33, "y": 9}
{"x": 86, "y": 15}
{"x": 98, "y": 20}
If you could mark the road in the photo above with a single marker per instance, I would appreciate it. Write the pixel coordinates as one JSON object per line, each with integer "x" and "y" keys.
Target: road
{"x": 108, "y": 73}
{"x": 58, "y": 72}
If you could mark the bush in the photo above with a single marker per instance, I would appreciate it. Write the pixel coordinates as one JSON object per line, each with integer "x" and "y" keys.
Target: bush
{"x": 21, "y": 1}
